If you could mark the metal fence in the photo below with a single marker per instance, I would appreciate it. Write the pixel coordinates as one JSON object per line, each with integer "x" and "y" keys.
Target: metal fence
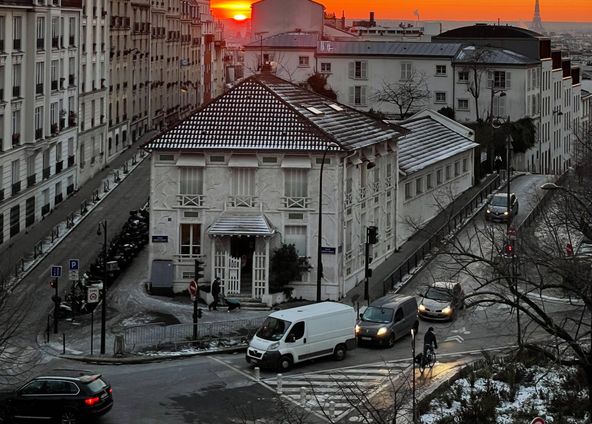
{"x": 437, "y": 235}
{"x": 157, "y": 336}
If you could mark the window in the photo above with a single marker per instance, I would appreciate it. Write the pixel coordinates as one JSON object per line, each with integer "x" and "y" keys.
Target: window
{"x": 40, "y": 33}
{"x": 39, "y": 122}
{"x": 439, "y": 176}
{"x": 358, "y": 69}
{"x": 303, "y": 61}
{"x": 15, "y": 220}
{"x": 2, "y": 28}
{"x": 72, "y": 29}
{"x": 296, "y": 186}
{"x": 296, "y": 333}
{"x": 499, "y": 106}
{"x": 33, "y": 388}
{"x": 440, "y": 97}
{"x": 406, "y": 71}
{"x": 166, "y": 158}
{"x": 325, "y": 67}
{"x": 499, "y": 80}
{"x": 243, "y": 182}
{"x": 429, "y": 184}
{"x": 418, "y": 186}
{"x": 296, "y": 235}
{"x": 190, "y": 239}
{"x": 16, "y": 80}
{"x": 357, "y": 95}
{"x": 463, "y": 77}
{"x": 39, "y": 77}
{"x": 440, "y": 70}
{"x": 463, "y": 104}
{"x": 448, "y": 172}
{"x": 54, "y": 74}
{"x": 16, "y": 123}
{"x": 408, "y": 194}
{"x": 16, "y": 171}
{"x": 17, "y": 29}
{"x": 191, "y": 180}
{"x": 465, "y": 165}
{"x": 457, "y": 168}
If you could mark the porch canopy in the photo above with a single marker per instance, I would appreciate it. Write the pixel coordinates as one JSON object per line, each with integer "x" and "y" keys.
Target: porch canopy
{"x": 241, "y": 224}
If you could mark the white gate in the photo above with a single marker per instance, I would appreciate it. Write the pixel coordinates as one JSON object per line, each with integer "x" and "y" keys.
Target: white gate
{"x": 258, "y": 274}
{"x": 227, "y": 269}
{"x": 233, "y": 280}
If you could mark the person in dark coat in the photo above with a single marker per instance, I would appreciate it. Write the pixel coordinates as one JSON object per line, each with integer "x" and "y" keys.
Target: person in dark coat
{"x": 215, "y": 294}
{"x": 429, "y": 341}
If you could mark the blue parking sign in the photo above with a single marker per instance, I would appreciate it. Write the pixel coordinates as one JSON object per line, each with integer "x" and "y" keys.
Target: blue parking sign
{"x": 73, "y": 264}
{"x": 56, "y": 271}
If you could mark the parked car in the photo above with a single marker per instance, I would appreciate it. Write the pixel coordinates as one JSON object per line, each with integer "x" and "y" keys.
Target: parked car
{"x": 63, "y": 396}
{"x": 306, "y": 332}
{"x": 497, "y": 207}
{"x": 387, "y": 319}
{"x": 441, "y": 301}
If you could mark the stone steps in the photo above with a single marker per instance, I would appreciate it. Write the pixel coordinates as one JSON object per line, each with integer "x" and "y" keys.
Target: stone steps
{"x": 249, "y": 304}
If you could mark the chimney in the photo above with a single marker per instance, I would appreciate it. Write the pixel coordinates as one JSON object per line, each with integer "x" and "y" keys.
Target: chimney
{"x": 372, "y": 22}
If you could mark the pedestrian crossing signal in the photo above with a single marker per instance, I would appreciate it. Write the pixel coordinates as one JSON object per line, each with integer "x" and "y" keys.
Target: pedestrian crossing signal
{"x": 53, "y": 283}
{"x": 509, "y": 249}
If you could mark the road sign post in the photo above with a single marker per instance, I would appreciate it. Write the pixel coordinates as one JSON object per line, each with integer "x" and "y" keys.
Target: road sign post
{"x": 55, "y": 274}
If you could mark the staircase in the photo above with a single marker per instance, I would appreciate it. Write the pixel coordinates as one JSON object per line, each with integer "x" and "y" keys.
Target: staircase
{"x": 248, "y": 303}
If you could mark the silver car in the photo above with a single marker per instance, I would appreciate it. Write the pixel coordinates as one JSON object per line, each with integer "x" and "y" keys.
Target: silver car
{"x": 497, "y": 208}
{"x": 441, "y": 301}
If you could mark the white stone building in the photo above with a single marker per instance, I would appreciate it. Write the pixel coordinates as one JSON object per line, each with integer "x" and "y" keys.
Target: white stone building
{"x": 241, "y": 176}
{"x": 39, "y": 57}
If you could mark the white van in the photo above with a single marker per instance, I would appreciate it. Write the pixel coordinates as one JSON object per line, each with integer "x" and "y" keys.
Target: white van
{"x": 298, "y": 334}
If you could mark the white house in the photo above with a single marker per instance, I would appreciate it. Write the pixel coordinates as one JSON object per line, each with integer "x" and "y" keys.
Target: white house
{"x": 436, "y": 162}
{"x": 241, "y": 176}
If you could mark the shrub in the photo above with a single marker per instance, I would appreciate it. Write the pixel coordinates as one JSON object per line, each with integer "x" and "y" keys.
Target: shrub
{"x": 287, "y": 266}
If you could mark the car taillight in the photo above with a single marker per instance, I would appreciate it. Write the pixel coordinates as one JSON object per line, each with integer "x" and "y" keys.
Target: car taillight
{"x": 110, "y": 390}
{"x": 91, "y": 401}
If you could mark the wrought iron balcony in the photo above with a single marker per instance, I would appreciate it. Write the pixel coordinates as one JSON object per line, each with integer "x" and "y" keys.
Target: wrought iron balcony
{"x": 31, "y": 180}
{"x": 16, "y": 188}
{"x": 46, "y": 173}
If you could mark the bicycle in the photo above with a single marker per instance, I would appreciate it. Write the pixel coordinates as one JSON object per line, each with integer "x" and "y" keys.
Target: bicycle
{"x": 429, "y": 359}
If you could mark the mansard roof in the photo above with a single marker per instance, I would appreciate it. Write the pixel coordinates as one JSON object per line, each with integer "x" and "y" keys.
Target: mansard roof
{"x": 264, "y": 112}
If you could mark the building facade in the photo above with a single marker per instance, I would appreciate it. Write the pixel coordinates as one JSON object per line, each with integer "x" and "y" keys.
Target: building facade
{"x": 231, "y": 191}
{"x": 39, "y": 42}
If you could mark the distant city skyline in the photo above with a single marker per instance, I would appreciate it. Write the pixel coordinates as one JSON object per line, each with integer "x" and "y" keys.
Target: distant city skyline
{"x": 457, "y": 10}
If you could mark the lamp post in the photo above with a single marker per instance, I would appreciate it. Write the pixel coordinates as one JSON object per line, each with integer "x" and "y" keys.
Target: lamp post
{"x": 413, "y": 406}
{"x": 103, "y": 230}
{"x": 260, "y": 35}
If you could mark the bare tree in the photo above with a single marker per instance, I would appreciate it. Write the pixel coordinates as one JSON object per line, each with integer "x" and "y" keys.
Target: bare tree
{"x": 475, "y": 59}
{"x": 406, "y": 95}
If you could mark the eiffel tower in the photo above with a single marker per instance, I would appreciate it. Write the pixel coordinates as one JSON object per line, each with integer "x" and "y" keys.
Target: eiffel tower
{"x": 537, "y": 23}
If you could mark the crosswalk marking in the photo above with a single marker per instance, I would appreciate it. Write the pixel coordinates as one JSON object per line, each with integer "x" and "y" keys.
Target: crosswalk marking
{"x": 338, "y": 391}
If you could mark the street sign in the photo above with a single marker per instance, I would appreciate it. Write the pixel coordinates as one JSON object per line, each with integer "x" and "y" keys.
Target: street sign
{"x": 538, "y": 420}
{"x": 192, "y": 288}
{"x": 512, "y": 233}
{"x": 73, "y": 275}
{"x": 73, "y": 264}
{"x": 56, "y": 271}
{"x": 92, "y": 295}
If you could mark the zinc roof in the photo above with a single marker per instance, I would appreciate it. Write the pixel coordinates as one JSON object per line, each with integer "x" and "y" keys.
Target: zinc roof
{"x": 427, "y": 143}
{"x": 288, "y": 39}
{"x": 245, "y": 224}
{"x": 264, "y": 112}
{"x": 494, "y": 56}
{"x": 387, "y": 48}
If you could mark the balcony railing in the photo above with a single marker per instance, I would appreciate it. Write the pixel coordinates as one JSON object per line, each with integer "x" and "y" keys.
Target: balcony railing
{"x": 46, "y": 173}
{"x": 296, "y": 202}
{"x": 16, "y": 91}
{"x": 190, "y": 200}
{"x": 40, "y": 43}
{"x": 71, "y": 79}
{"x": 16, "y": 188}
{"x": 1, "y": 195}
{"x": 16, "y": 44}
{"x": 242, "y": 201}
{"x": 55, "y": 42}
{"x": 54, "y": 85}
{"x": 45, "y": 209}
{"x": 58, "y": 198}
{"x": 59, "y": 166}
{"x": 70, "y": 189}
{"x": 71, "y": 40}
{"x": 55, "y": 128}
{"x": 38, "y": 133}
{"x": 31, "y": 180}
{"x": 39, "y": 88}
{"x": 70, "y": 161}
{"x": 348, "y": 200}
{"x": 16, "y": 138}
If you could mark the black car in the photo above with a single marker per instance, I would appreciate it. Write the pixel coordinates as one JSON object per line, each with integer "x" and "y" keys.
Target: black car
{"x": 61, "y": 396}
{"x": 497, "y": 207}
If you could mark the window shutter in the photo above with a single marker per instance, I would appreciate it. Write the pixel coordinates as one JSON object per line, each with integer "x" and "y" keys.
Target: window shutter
{"x": 364, "y": 69}
{"x": 351, "y": 95}
{"x": 489, "y": 79}
{"x": 508, "y": 80}
{"x": 363, "y": 95}
{"x": 352, "y": 68}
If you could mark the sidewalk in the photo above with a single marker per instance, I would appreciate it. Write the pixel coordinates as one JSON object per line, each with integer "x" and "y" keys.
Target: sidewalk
{"x": 22, "y": 246}
{"x": 408, "y": 249}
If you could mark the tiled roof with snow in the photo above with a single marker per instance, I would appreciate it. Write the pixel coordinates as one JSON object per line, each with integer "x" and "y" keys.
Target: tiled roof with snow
{"x": 382, "y": 48}
{"x": 264, "y": 112}
{"x": 429, "y": 142}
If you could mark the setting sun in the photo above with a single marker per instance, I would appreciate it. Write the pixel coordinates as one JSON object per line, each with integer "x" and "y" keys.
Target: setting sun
{"x": 239, "y": 17}
{"x": 237, "y": 10}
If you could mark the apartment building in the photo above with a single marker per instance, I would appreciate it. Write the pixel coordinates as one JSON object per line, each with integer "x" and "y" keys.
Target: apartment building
{"x": 39, "y": 59}
{"x": 141, "y": 32}
{"x": 94, "y": 82}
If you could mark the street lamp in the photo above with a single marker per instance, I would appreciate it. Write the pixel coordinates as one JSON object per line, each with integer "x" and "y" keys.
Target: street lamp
{"x": 102, "y": 229}
{"x": 260, "y": 35}
{"x": 413, "y": 406}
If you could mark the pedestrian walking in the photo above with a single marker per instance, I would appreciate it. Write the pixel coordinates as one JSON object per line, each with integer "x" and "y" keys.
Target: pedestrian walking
{"x": 215, "y": 293}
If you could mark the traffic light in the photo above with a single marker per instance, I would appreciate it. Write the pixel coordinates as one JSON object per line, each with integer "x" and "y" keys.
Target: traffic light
{"x": 372, "y": 234}
{"x": 199, "y": 314}
{"x": 53, "y": 283}
{"x": 508, "y": 249}
{"x": 199, "y": 270}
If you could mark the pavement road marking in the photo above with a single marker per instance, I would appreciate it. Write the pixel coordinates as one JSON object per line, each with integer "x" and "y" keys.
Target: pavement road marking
{"x": 454, "y": 339}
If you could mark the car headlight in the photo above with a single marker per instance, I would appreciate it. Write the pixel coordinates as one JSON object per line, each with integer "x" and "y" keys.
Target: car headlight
{"x": 488, "y": 211}
{"x": 274, "y": 346}
{"x": 358, "y": 329}
{"x": 421, "y": 308}
{"x": 382, "y": 331}
{"x": 447, "y": 310}
{"x": 506, "y": 213}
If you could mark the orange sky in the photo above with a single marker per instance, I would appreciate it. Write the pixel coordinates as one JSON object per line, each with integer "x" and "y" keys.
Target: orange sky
{"x": 453, "y": 10}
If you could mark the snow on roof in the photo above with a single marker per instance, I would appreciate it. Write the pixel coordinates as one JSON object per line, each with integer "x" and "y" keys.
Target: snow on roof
{"x": 381, "y": 48}
{"x": 429, "y": 142}
{"x": 494, "y": 55}
{"x": 287, "y": 39}
{"x": 264, "y": 112}
{"x": 229, "y": 224}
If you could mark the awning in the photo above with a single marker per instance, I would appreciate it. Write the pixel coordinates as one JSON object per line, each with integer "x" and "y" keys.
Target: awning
{"x": 296, "y": 162}
{"x": 191, "y": 160}
{"x": 243, "y": 161}
{"x": 235, "y": 224}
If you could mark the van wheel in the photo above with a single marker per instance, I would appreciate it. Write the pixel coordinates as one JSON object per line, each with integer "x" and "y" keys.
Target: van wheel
{"x": 339, "y": 353}
{"x": 285, "y": 363}
{"x": 391, "y": 340}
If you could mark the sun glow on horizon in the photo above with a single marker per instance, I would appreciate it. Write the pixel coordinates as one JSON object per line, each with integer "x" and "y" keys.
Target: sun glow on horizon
{"x": 239, "y": 17}
{"x": 237, "y": 10}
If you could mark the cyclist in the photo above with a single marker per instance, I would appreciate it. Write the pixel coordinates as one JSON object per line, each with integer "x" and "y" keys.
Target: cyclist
{"x": 429, "y": 342}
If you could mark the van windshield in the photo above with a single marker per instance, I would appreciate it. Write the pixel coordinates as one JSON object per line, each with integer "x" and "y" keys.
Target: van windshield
{"x": 381, "y": 315}
{"x": 273, "y": 329}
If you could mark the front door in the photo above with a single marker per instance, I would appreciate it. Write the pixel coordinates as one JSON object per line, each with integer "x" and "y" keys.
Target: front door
{"x": 242, "y": 249}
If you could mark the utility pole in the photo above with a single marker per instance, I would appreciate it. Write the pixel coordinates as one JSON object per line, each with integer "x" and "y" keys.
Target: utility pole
{"x": 103, "y": 226}
{"x": 371, "y": 238}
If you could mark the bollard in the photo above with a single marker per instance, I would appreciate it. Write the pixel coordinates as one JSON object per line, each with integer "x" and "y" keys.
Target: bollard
{"x": 331, "y": 409}
{"x": 279, "y": 384}
{"x": 63, "y": 343}
{"x": 303, "y": 394}
{"x": 257, "y": 374}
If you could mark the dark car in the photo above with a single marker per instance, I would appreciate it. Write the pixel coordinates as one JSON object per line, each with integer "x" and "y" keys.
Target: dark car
{"x": 497, "y": 207}
{"x": 61, "y": 396}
